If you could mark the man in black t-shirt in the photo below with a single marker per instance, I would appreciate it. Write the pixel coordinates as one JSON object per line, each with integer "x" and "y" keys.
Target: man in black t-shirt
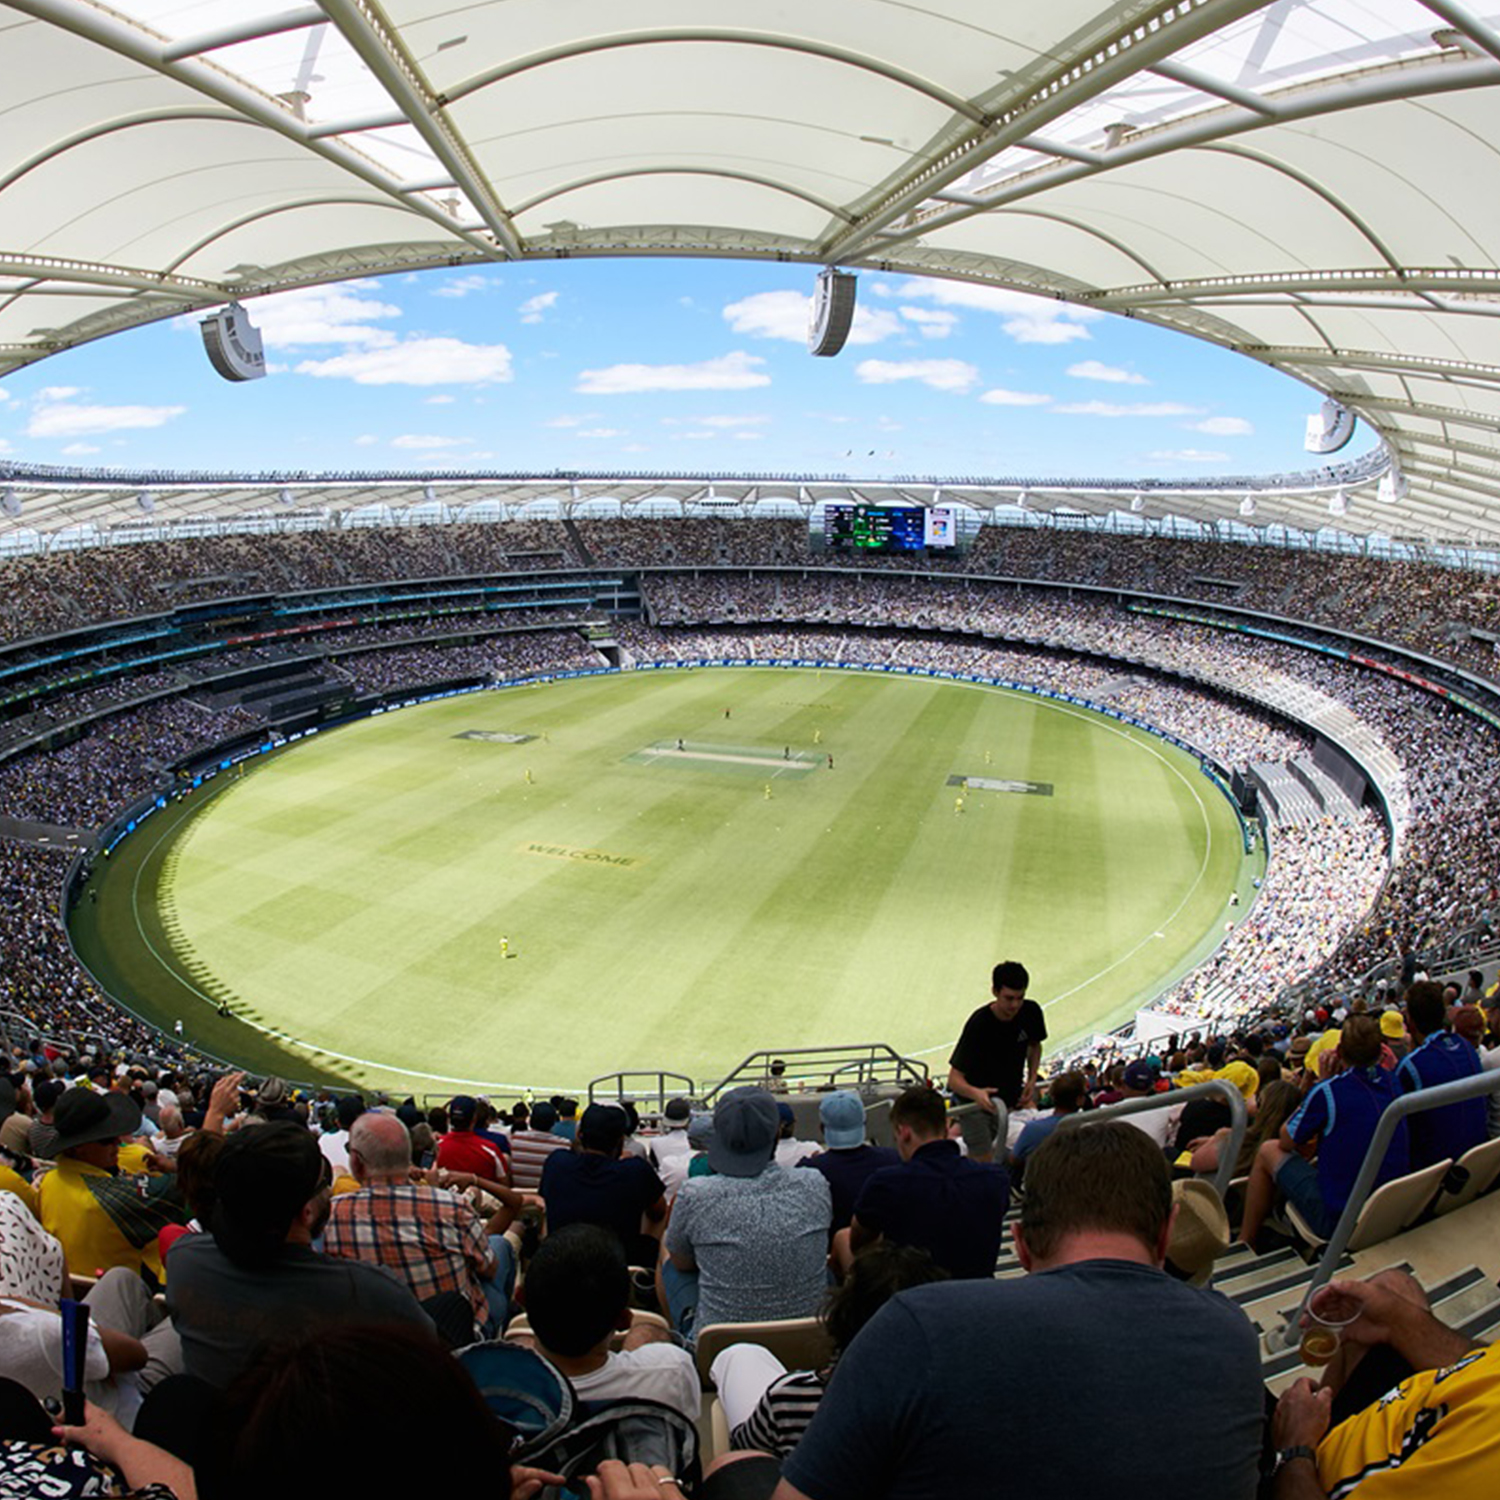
{"x": 997, "y": 1056}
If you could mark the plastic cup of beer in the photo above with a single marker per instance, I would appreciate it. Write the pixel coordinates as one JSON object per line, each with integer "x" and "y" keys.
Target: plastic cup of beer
{"x": 1329, "y": 1313}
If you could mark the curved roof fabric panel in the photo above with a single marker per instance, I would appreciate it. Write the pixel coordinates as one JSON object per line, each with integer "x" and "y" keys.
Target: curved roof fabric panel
{"x": 1295, "y": 179}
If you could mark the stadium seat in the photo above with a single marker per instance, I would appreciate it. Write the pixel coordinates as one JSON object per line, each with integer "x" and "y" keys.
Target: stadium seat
{"x": 799, "y": 1343}
{"x": 1387, "y": 1211}
{"x": 1481, "y": 1163}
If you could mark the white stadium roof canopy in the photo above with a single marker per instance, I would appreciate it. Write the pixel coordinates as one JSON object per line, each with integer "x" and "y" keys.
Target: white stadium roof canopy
{"x": 1307, "y": 182}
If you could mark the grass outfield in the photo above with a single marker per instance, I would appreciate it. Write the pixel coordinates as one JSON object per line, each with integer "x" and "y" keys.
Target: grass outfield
{"x": 664, "y": 906}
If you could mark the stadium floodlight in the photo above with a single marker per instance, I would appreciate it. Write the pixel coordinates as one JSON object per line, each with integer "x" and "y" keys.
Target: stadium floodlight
{"x": 832, "y": 311}
{"x": 1329, "y": 428}
{"x": 1247, "y": 506}
{"x": 146, "y": 502}
{"x": 1339, "y": 505}
{"x": 1021, "y": 499}
{"x": 1392, "y": 487}
{"x": 1137, "y": 504}
{"x": 232, "y": 344}
{"x": 10, "y": 502}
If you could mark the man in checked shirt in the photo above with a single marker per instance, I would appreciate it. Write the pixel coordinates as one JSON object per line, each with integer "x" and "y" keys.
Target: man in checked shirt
{"x": 430, "y": 1239}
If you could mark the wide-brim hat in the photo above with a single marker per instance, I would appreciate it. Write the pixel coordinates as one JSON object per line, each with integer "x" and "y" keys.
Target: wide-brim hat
{"x": 1200, "y": 1232}
{"x": 82, "y": 1116}
{"x": 746, "y": 1125}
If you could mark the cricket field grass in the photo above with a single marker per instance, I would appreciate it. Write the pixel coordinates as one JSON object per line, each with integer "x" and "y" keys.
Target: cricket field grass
{"x": 535, "y": 886}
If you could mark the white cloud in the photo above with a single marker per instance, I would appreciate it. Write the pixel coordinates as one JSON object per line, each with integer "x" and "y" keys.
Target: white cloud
{"x": 722, "y": 422}
{"x": 4, "y": 394}
{"x": 1224, "y": 427}
{"x": 785, "y": 315}
{"x": 63, "y": 420}
{"x": 747, "y": 437}
{"x": 6, "y": 448}
{"x": 1186, "y": 456}
{"x": 57, "y": 393}
{"x": 311, "y": 316}
{"x": 1027, "y": 319}
{"x": 931, "y": 323}
{"x": 1093, "y": 369}
{"x": 1001, "y": 397}
{"x": 532, "y": 308}
{"x": 424, "y": 440}
{"x": 566, "y": 421}
{"x": 439, "y": 400}
{"x": 600, "y": 432}
{"x": 1127, "y": 409}
{"x": 461, "y": 286}
{"x": 728, "y": 372}
{"x": 439, "y": 361}
{"x": 940, "y": 374}
{"x": 366, "y": 440}
{"x": 79, "y": 450}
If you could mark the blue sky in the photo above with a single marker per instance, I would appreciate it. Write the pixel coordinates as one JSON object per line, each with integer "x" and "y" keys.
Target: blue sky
{"x": 671, "y": 364}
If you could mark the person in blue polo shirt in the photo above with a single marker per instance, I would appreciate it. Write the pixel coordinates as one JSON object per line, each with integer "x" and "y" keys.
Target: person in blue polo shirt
{"x": 1337, "y": 1120}
{"x": 1438, "y": 1056}
{"x": 935, "y": 1200}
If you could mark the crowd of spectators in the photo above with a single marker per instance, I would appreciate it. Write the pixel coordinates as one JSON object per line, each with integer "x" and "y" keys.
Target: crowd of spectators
{"x": 500, "y": 658}
{"x": 59, "y": 590}
{"x": 1422, "y": 606}
{"x": 1315, "y": 911}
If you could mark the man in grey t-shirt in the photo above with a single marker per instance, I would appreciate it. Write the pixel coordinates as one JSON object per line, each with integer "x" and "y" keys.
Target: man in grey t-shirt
{"x": 749, "y": 1242}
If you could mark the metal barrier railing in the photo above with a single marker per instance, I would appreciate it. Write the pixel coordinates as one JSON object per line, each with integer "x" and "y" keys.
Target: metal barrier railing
{"x": 793, "y": 1069}
{"x": 1239, "y": 1119}
{"x": 1480, "y": 1086}
{"x": 648, "y": 1088}
{"x": 1002, "y": 1122}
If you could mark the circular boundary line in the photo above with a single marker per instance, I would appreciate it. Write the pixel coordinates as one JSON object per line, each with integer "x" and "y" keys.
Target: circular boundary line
{"x": 1093, "y": 717}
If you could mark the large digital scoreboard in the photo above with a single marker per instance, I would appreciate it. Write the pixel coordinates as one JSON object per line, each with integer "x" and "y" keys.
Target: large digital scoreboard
{"x": 889, "y": 528}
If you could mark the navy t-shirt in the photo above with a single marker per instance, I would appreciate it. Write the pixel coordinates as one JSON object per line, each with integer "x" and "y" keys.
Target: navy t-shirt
{"x": 582, "y": 1187}
{"x": 941, "y": 1202}
{"x": 981, "y": 1388}
{"x": 847, "y": 1172}
{"x": 991, "y": 1053}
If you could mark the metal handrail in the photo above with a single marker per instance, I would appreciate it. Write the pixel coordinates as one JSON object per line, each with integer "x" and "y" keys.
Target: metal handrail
{"x": 1477, "y": 1087}
{"x": 831, "y": 1060}
{"x": 615, "y": 1086}
{"x": 1239, "y": 1119}
{"x": 1002, "y": 1121}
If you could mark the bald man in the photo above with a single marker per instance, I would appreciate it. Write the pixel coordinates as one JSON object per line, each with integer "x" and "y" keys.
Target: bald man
{"x": 418, "y": 1229}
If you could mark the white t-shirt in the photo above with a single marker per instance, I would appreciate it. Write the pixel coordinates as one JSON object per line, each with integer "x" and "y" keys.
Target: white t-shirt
{"x": 654, "y": 1372}
{"x": 334, "y": 1145}
{"x": 790, "y": 1152}
{"x": 31, "y": 1352}
{"x": 672, "y": 1153}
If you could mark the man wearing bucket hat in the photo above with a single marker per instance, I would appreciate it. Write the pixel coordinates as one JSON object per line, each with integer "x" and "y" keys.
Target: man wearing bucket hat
{"x": 104, "y": 1217}
{"x": 749, "y": 1242}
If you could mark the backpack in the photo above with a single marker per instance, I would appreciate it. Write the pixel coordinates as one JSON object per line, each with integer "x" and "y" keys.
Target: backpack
{"x": 557, "y": 1431}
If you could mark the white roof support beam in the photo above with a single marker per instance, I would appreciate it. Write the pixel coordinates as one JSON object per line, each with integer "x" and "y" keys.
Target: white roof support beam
{"x": 1075, "y": 82}
{"x": 247, "y": 31}
{"x": 1456, "y": 16}
{"x": 396, "y": 71}
{"x": 117, "y": 35}
{"x": 1330, "y": 96}
{"x": 90, "y": 273}
{"x": 1179, "y": 73}
{"x": 1369, "y": 359}
{"x": 1354, "y": 279}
